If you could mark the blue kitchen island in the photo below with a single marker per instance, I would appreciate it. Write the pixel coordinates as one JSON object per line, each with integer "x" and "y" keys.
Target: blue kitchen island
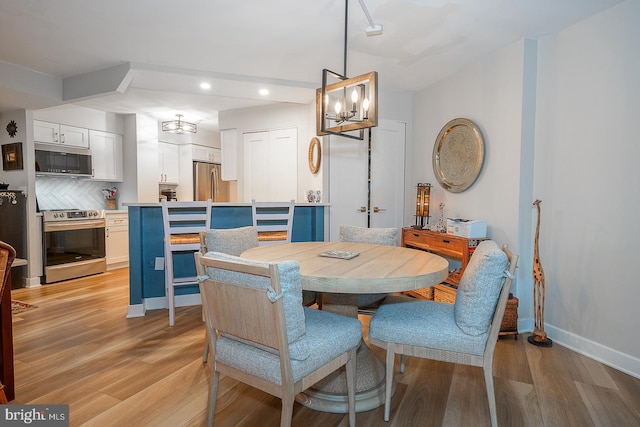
{"x": 146, "y": 249}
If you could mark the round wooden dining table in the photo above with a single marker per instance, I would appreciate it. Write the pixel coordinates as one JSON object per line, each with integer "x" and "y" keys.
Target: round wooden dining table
{"x": 375, "y": 269}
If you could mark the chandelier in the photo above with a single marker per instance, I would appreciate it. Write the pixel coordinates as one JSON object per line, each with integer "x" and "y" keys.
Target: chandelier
{"x": 179, "y": 126}
{"x": 348, "y": 104}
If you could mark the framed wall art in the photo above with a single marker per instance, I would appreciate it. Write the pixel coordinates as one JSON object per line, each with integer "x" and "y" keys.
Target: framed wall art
{"x": 12, "y": 156}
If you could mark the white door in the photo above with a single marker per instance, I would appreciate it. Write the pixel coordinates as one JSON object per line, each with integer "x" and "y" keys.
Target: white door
{"x": 283, "y": 152}
{"x": 387, "y": 175}
{"x": 347, "y": 183}
{"x": 270, "y": 165}
{"x": 348, "y": 180}
{"x": 256, "y": 166}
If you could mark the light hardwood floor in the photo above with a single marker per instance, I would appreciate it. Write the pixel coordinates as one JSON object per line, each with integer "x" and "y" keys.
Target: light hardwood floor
{"x": 78, "y": 348}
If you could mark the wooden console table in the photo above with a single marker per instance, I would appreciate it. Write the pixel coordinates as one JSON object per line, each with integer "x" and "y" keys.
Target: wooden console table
{"x": 446, "y": 245}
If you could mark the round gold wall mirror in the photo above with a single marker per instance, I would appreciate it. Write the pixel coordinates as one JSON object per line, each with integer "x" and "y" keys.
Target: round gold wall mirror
{"x": 458, "y": 154}
{"x": 315, "y": 153}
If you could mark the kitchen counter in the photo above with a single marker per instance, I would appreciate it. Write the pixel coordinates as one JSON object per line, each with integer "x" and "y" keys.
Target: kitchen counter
{"x": 146, "y": 248}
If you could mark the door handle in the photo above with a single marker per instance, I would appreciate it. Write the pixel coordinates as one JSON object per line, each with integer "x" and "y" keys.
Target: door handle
{"x": 377, "y": 209}
{"x": 362, "y": 209}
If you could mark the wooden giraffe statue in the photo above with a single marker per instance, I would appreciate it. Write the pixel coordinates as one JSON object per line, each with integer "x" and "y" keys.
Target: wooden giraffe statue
{"x": 539, "y": 335}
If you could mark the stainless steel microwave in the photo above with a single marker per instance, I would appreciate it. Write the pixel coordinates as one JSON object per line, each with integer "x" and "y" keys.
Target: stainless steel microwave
{"x": 70, "y": 161}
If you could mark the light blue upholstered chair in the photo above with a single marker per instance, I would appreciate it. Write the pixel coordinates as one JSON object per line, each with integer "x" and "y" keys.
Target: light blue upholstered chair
{"x": 381, "y": 236}
{"x": 465, "y": 332}
{"x": 234, "y": 241}
{"x": 261, "y": 335}
{"x": 231, "y": 241}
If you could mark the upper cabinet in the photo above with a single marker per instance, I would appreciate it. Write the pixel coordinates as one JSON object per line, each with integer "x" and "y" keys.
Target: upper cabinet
{"x": 53, "y": 133}
{"x": 169, "y": 162}
{"x": 270, "y": 165}
{"x": 201, "y": 153}
{"x": 106, "y": 156}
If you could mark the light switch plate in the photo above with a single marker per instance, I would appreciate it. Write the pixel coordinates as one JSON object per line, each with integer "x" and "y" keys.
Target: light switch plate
{"x": 159, "y": 263}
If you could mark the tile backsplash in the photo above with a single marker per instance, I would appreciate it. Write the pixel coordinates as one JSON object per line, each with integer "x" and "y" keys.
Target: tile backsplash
{"x": 70, "y": 193}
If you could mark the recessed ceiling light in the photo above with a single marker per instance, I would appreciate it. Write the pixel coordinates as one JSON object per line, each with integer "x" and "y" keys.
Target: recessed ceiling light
{"x": 205, "y": 86}
{"x": 264, "y": 92}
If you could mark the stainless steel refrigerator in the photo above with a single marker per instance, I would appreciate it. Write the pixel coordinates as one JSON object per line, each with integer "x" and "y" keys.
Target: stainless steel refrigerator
{"x": 208, "y": 184}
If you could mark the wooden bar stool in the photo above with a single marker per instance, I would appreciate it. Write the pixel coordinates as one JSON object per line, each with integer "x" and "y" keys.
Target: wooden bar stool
{"x": 274, "y": 221}
{"x": 183, "y": 222}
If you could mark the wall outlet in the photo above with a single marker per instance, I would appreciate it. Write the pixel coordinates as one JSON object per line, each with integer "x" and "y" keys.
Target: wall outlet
{"x": 159, "y": 263}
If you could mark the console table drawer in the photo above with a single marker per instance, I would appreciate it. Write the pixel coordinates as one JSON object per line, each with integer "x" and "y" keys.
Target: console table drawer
{"x": 452, "y": 246}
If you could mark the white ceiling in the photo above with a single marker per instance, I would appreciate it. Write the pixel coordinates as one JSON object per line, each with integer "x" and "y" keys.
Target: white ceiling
{"x": 242, "y": 46}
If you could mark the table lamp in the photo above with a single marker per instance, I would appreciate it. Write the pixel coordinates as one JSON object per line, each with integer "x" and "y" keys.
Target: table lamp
{"x": 422, "y": 205}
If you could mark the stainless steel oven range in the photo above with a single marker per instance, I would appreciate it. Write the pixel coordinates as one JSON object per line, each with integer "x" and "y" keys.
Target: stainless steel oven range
{"x": 73, "y": 244}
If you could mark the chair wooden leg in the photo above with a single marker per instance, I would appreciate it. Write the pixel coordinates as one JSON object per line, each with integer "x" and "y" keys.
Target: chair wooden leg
{"x": 213, "y": 395}
{"x": 491, "y": 395}
{"x": 351, "y": 386}
{"x": 205, "y": 353}
{"x": 287, "y": 410}
{"x": 168, "y": 278}
{"x": 388, "y": 384}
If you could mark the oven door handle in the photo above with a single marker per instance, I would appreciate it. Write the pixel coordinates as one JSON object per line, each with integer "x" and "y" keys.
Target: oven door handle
{"x": 74, "y": 225}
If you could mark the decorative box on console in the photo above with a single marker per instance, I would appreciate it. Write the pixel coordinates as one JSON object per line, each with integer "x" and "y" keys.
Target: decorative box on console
{"x": 466, "y": 228}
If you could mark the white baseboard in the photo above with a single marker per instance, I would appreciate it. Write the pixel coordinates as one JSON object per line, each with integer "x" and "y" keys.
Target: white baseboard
{"x": 593, "y": 350}
{"x": 32, "y": 282}
{"x": 118, "y": 265}
{"x": 135, "y": 310}
{"x": 157, "y": 303}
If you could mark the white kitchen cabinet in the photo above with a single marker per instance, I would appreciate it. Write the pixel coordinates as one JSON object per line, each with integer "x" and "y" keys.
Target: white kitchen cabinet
{"x": 202, "y": 153}
{"x": 106, "y": 156}
{"x": 229, "y": 151}
{"x": 169, "y": 162}
{"x": 271, "y": 165}
{"x": 117, "y": 239}
{"x": 46, "y": 132}
{"x": 54, "y": 133}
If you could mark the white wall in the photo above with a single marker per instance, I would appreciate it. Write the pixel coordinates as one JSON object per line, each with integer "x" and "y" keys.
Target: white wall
{"x": 489, "y": 93}
{"x": 276, "y": 116}
{"x": 141, "y": 168}
{"x": 579, "y": 110}
{"x": 19, "y": 180}
{"x": 586, "y": 174}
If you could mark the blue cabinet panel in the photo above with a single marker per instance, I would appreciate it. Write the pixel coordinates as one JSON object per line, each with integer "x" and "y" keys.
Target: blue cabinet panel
{"x": 146, "y": 243}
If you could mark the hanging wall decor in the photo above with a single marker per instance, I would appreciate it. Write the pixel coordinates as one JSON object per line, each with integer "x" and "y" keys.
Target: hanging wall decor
{"x": 458, "y": 154}
{"x": 12, "y": 156}
{"x": 12, "y": 128}
{"x": 315, "y": 154}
